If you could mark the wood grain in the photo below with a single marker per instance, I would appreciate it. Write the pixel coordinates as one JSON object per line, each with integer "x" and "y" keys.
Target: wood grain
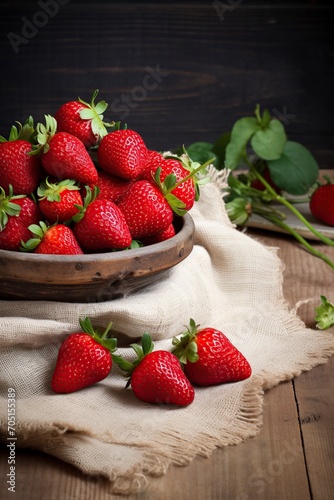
{"x": 176, "y": 73}
{"x": 291, "y": 457}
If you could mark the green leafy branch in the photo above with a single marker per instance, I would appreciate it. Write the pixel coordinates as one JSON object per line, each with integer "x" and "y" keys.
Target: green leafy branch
{"x": 271, "y": 166}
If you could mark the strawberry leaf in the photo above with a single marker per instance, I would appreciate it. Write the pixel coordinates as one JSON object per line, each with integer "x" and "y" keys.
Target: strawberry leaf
{"x": 87, "y": 114}
{"x": 324, "y": 314}
{"x": 176, "y": 205}
{"x": 241, "y": 133}
{"x": 296, "y": 171}
{"x": 269, "y": 141}
{"x": 95, "y": 112}
{"x": 101, "y": 107}
{"x": 147, "y": 343}
{"x": 201, "y": 152}
{"x": 169, "y": 182}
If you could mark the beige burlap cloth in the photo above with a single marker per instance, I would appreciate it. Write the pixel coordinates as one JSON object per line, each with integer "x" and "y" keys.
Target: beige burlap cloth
{"x": 230, "y": 282}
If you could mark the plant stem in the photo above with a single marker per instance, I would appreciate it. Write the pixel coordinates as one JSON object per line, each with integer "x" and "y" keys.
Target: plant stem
{"x": 301, "y": 240}
{"x": 296, "y": 212}
{"x": 191, "y": 174}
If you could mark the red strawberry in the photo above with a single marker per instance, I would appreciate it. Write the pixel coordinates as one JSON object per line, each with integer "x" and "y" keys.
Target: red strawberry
{"x": 152, "y": 162}
{"x": 209, "y": 357}
{"x": 101, "y": 225}
{"x": 57, "y": 240}
{"x": 157, "y": 376}
{"x": 186, "y": 191}
{"x": 17, "y": 167}
{"x": 13, "y": 234}
{"x": 122, "y": 153}
{"x": 57, "y": 200}
{"x": 84, "y": 359}
{"x": 16, "y": 214}
{"x": 30, "y": 212}
{"x": 146, "y": 210}
{"x": 110, "y": 187}
{"x": 322, "y": 203}
{"x": 158, "y": 237}
{"x": 83, "y": 119}
{"x": 64, "y": 155}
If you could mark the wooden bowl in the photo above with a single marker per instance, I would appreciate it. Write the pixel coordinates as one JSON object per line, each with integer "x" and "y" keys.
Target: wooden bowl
{"x": 92, "y": 277}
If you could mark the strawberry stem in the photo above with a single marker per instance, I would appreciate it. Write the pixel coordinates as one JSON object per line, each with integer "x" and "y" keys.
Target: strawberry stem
{"x": 191, "y": 174}
{"x": 108, "y": 343}
{"x": 285, "y": 202}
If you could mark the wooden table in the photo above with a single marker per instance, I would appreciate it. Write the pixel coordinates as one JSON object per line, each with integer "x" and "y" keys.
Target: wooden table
{"x": 292, "y": 457}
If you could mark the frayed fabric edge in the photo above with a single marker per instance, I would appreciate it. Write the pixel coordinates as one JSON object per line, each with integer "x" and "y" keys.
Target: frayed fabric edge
{"x": 165, "y": 451}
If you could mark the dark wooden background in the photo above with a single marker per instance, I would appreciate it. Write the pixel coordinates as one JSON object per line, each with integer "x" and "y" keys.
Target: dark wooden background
{"x": 213, "y": 61}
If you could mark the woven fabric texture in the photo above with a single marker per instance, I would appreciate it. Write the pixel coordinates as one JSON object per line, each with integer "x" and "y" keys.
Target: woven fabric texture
{"x": 230, "y": 282}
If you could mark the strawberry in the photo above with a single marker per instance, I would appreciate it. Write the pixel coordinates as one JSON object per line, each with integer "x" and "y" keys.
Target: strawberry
{"x": 158, "y": 237}
{"x": 57, "y": 240}
{"x": 63, "y": 154}
{"x": 100, "y": 225}
{"x": 13, "y": 234}
{"x": 83, "y": 119}
{"x": 110, "y": 187}
{"x": 209, "y": 358}
{"x": 172, "y": 171}
{"x": 16, "y": 214}
{"x": 156, "y": 376}
{"x": 185, "y": 191}
{"x": 17, "y": 167}
{"x": 322, "y": 203}
{"x": 122, "y": 153}
{"x": 57, "y": 200}
{"x": 145, "y": 209}
{"x": 84, "y": 358}
{"x": 152, "y": 162}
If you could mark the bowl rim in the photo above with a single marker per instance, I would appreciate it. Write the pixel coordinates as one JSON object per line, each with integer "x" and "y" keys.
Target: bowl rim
{"x": 119, "y": 255}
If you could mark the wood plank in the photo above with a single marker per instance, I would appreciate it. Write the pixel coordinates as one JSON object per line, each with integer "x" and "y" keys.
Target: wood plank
{"x": 306, "y": 278}
{"x": 315, "y": 395}
{"x": 213, "y": 70}
{"x": 271, "y": 465}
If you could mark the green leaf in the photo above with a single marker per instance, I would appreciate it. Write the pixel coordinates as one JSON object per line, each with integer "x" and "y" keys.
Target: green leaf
{"x": 101, "y": 107}
{"x": 122, "y": 363}
{"x": 242, "y": 131}
{"x": 324, "y": 314}
{"x": 201, "y": 152}
{"x": 87, "y": 114}
{"x": 219, "y": 149}
{"x": 266, "y": 117}
{"x": 296, "y": 171}
{"x": 268, "y": 143}
{"x": 176, "y": 205}
{"x": 238, "y": 211}
{"x": 169, "y": 182}
{"x": 146, "y": 343}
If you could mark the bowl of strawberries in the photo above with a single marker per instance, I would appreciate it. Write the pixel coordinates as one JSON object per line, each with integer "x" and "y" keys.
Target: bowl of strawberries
{"x": 89, "y": 214}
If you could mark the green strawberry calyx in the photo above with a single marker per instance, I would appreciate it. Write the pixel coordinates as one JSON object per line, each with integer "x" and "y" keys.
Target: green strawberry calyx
{"x": 94, "y": 112}
{"x": 185, "y": 347}
{"x": 324, "y": 314}
{"x": 170, "y": 183}
{"x": 43, "y": 135}
{"x": 7, "y": 207}
{"x": 104, "y": 340}
{"x": 51, "y": 191}
{"x": 89, "y": 198}
{"x": 25, "y": 132}
{"x": 39, "y": 231}
{"x": 141, "y": 350}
